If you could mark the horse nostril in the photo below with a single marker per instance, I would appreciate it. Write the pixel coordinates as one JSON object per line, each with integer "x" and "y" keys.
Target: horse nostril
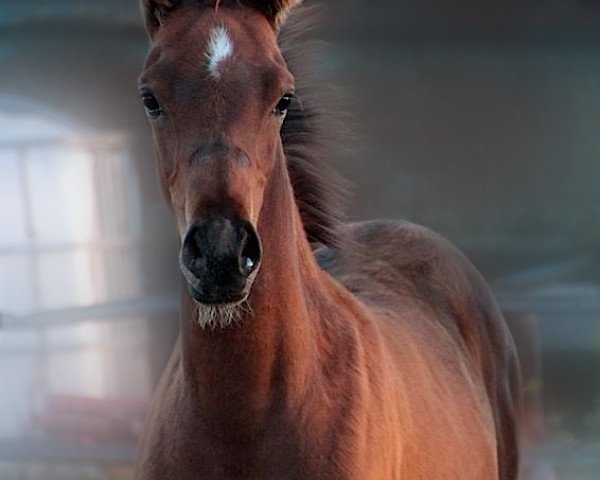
{"x": 251, "y": 252}
{"x": 191, "y": 249}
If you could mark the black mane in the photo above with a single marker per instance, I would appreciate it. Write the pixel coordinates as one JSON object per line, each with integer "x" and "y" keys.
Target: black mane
{"x": 311, "y": 134}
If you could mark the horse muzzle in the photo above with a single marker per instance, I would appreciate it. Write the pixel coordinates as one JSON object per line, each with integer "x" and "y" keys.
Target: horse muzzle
{"x": 219, "y": 259}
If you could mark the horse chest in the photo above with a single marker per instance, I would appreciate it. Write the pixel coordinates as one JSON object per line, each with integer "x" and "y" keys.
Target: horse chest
{"x": 189, "y": 445}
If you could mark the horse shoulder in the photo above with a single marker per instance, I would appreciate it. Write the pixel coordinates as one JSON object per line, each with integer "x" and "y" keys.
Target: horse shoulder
{"x": 392, "y": 264}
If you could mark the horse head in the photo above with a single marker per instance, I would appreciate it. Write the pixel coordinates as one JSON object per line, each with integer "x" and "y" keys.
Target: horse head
{"x": 216, "y": 90}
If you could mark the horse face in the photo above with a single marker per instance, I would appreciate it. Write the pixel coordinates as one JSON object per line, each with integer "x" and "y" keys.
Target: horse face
{"x": 216, "y": 90}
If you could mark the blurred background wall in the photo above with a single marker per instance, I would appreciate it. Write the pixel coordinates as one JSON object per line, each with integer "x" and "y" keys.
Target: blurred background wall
{"x": 475, "y": 118}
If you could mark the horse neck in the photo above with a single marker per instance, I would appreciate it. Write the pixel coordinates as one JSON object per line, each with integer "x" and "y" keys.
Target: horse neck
{"x": 271, "y": 353}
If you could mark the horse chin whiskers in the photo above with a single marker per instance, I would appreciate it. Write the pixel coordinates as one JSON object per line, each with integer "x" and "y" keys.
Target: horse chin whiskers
{"x": 221, "y": 316}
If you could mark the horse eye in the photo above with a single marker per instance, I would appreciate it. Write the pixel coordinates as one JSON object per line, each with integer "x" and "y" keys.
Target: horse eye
{"x": 284, "y": 104}
{"x": 152, "y": 106}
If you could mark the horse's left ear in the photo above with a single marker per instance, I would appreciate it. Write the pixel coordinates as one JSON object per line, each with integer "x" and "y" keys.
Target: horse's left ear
{"x": 276, "y": 11}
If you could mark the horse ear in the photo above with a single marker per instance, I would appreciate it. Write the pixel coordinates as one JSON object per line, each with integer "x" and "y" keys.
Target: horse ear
{"x": 276, "y": 11}
{"x": 155, "y": 12}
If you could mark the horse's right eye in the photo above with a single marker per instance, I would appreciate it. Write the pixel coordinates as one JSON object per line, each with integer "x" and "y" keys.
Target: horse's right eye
{"x": 152, "y": 106}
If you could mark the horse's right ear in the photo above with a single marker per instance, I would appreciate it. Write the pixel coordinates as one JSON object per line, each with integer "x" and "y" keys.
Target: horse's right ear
{"x": 156, "y": 11}
{"x": 276, "y": 11}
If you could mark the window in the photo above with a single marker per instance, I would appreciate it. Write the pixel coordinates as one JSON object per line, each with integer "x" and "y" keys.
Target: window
{"x": 65, "y": 227}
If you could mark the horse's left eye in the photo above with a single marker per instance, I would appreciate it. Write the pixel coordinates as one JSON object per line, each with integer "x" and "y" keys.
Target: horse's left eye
{"x": 151, "y": 103}
{"x": 284, "y": 104}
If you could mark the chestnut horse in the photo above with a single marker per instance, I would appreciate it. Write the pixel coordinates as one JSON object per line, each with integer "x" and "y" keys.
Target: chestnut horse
{"x": 381, "y": 354}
